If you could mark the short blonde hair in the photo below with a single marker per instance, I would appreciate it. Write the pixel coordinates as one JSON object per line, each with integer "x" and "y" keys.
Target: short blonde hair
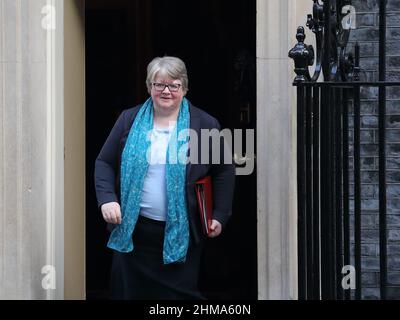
{"x": 172, "y": 67}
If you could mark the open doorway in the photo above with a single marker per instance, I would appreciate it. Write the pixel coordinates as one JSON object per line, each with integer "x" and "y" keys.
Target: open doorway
{"x": 216, "y": 39}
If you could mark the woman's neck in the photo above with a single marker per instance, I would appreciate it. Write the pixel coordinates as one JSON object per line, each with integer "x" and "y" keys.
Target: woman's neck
{"x": 163, "y": 119}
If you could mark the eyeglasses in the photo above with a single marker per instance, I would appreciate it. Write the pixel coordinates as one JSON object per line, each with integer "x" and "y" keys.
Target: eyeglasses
{"x": 161, "y": 86}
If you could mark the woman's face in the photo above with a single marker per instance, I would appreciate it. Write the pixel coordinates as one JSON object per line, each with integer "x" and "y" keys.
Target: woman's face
{"x": 166, "y": 100}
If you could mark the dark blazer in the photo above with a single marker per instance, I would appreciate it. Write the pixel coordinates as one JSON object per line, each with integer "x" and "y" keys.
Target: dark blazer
{"x": 107, "y": 169}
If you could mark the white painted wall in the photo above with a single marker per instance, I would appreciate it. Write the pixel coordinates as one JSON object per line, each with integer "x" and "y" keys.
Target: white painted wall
{"x": 30, "y": 152}
{"x": 277, "y": 21}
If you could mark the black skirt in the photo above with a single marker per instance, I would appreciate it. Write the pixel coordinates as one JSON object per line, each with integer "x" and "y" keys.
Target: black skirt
{"x": 141, "y": 274}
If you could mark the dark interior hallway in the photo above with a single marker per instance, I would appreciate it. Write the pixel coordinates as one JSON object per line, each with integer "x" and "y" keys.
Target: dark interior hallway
{"x": 216, "y": 39}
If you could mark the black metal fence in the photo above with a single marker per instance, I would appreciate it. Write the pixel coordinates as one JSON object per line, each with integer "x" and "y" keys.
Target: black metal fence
{"x": 326, "y": 261}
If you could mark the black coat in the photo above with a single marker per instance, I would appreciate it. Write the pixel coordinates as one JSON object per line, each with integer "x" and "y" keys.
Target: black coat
{"x": 107, "y": 169}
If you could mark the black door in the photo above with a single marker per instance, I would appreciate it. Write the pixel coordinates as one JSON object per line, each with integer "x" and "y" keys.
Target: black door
{"x": 216, "y": 39}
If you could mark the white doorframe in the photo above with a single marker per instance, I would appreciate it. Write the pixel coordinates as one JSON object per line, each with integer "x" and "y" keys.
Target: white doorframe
{"x": 277, "y": 21}
{"x": 74, "y": 149}
{"x": 55, "y": 109}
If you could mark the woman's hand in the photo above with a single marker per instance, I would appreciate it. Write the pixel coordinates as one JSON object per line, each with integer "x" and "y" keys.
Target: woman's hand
{"x": 111, "y": 212}
{"x": 216, "y": 229}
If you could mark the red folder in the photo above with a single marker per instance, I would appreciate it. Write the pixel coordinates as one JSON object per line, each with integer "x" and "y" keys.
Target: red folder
{"x": 205, "y": 202}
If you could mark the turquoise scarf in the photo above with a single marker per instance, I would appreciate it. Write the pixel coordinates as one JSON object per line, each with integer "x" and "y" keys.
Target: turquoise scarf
{"x": 134, "y": 167}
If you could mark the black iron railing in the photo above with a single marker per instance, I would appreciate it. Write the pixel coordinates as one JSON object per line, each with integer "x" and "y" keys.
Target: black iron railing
{"x": 324, "y": 239}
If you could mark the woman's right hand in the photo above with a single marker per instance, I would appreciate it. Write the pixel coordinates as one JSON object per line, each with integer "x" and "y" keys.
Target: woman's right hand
{"x": 111, "y": 212}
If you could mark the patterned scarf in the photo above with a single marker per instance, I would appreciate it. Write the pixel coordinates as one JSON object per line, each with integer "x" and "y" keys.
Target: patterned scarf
{"x": 134, "y": 165}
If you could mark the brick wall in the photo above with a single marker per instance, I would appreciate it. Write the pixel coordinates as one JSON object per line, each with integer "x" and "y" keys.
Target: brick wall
{"x": 367, "y": 34}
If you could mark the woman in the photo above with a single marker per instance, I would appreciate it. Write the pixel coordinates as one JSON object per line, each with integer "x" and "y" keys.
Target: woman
{"x": 149, "y": 197}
